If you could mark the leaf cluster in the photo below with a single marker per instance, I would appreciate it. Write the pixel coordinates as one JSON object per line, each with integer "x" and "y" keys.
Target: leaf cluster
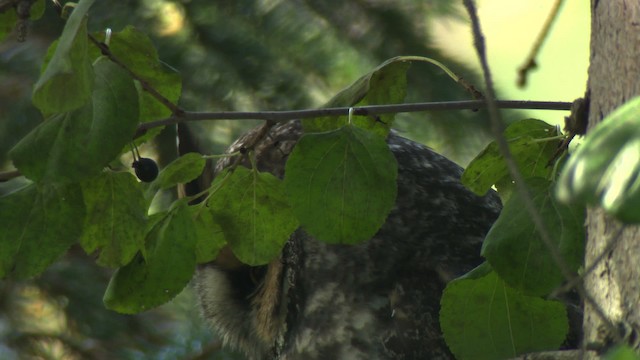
{"x": 78, "y": 193}
{"x": 93, "y": 98}
{"x": 503, "y": 306}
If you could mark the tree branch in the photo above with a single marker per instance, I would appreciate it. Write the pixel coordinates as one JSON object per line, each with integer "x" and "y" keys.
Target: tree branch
{"x": 497, "y": 126}
{"x": 279, "y": 116}
{"x": 530, "y": 63}
{"x": 553, "y": 355}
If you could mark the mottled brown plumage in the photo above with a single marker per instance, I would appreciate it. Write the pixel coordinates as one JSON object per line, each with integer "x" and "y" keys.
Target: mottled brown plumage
{"x": 376, "y": 300}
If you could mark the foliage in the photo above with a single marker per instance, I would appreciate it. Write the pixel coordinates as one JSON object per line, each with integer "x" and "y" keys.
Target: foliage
{"x": 235, "y": 56}
{"x": 527, "y": 264}
{"x": 92, "y": 107}
{"x": 251, "y": 209}
{"x": 69, "y": 67}
{"x": 509, "y": 291}
{"x": 36, "y": 230}
{"x": 79, "y": 143}
{"x": 162, "y": 268}
{"x": 386, "y": 84}
{"x": 532, "y": 143}
{"x": 621, "y": 352}
{"x": 330, "y": 179}
{"x": 484, "y": 318}
{"x": 604, "y": 170}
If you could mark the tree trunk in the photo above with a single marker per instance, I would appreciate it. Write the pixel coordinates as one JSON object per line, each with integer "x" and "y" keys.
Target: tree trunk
{"x": 614, "y": 78}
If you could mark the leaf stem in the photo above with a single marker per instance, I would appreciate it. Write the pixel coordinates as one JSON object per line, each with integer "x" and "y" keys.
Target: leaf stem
{"x": 549, "y": 139}
{"x": 459, "y": 79}
{"x": 219, "y": 156}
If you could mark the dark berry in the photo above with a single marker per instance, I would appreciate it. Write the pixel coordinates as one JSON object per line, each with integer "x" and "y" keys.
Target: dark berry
{"x": 146, "y": 169}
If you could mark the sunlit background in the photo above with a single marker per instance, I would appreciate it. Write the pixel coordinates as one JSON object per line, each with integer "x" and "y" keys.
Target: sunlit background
{"x": 267, "y": 55}
{"x": 511, "y": 28}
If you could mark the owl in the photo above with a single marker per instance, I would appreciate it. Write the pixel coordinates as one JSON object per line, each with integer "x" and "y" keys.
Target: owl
{"x": 375, "y": 300}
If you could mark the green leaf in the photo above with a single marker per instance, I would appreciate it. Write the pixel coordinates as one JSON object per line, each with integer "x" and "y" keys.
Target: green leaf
{"x": 77, "y": 145}
{"x": 341, "y": 184}
{"x": 116, "y": 218}
{"x": 181, "y": 170}
{"x": 209, "y": 235}
{"x": 38, "y": 223}
{"x": 147, "y": 282}
{"x": 253, "y": 212}
{"x": 386, "y": 84}
{"x": 67, "y": 81}
{"x": 621, "y": 352}
{"x": 134, "y": 49}
{"x": 37, "y": 10}
{"x": 516, "y": 251}
{"x": 137, "y": 52}
{"x": 604, "y": 170}
{"x": 482, "y": 318}
{"x": 7, "y": 22}
{"x": 532, "y": 156}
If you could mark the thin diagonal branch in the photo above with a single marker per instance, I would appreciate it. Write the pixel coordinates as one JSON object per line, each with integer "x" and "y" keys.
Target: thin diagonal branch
{"x": 530, "y": 63}
{"x": 497, "y": 126}
{"x": 611, "y": 245}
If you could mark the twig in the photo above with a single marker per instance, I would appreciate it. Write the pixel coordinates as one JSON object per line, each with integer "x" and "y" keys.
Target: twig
{"x": 611, "y": 244}
{"x": 279, "y": 116}
{"x": 104, "y": 49}
{"x": 498, "y": 127}
{"x": 8, "y": 175}
{"x": 530, "y": 63}
{"x": 468, "y": 87}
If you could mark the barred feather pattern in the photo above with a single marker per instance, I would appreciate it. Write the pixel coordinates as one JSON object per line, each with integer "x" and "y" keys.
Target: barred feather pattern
{"x": 375, "y": 300}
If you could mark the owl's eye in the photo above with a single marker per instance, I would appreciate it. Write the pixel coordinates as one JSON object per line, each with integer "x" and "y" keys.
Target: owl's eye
{"x": 146, "y": 169}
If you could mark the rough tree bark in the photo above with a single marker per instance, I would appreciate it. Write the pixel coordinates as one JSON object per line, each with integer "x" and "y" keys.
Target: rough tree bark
{"x": 614, "y": 77}
{"x": 614, "y": 285}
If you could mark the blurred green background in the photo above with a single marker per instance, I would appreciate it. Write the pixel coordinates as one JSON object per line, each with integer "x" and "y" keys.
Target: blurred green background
{"x": 266, "y": 55}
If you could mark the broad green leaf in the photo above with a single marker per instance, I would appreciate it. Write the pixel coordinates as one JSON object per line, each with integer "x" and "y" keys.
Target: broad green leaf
{"x": 482, "y": 318}
{"x": 116, "y": 218}
{"x": 138, "y": 53}
{"x": 209, "y": 236}
{"x": 516, "y": 251}
{"x": 37, "y": 10}
{"x": 77, "y": 145}
{"x": 604, "y": 170}
{"x": 621, "y": 352}
{"x": 341, "y": 184}
{"x": 531, "y": 155}
{"x": 253, "y": 212}
{"x": 181, "y": 170}
{"x": 147, "y": 282}
{"x": 386, "y": 84}
{"x": 67, "y": 81}
{"x": 39, "y": 223}
{"x": 7, "y": 22}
